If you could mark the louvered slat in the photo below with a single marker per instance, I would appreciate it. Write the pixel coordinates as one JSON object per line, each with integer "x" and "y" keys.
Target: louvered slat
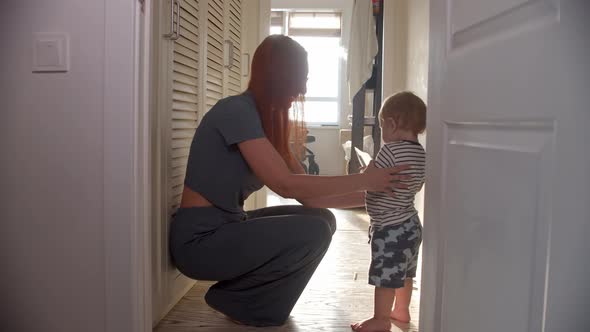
{"x": 214, "y": 88}
{"x": 236, "y": 5}
{"x": 185, "y": 78}
{"x": 181, "y": 152}
{"x": 234, "y": 78}
{"x": 183, "y": 125}
{"x": 179, "y": 163}
{"x": 183, "y": 133}
{"x": 185, "y": 99}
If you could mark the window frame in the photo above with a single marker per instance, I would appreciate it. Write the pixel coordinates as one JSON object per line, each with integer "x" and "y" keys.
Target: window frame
{"x": 282, "y": 21}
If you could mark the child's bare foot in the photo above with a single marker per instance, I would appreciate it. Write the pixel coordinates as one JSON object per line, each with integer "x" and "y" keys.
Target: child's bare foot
{"x": 401, "y": 315}
{"x": 372, "y": 325}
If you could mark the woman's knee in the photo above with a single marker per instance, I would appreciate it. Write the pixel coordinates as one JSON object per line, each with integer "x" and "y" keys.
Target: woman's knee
{"x": 318, "y": 230}
{"x": 329, "y": 219}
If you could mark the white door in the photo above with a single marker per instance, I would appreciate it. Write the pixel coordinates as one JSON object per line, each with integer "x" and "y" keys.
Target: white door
{"x": 508, "y": 187}
{"x": 196, "y": 68}
{"x": 177, "y": 84}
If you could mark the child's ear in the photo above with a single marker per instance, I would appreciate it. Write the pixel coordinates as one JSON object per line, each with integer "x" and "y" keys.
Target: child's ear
{"x": 391, "y": 123}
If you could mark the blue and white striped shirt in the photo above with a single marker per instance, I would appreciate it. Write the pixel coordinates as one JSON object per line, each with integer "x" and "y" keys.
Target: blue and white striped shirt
{"x": 385, "y": 210}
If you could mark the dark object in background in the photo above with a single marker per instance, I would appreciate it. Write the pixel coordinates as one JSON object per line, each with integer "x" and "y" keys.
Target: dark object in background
{"x": 312, "y": 167}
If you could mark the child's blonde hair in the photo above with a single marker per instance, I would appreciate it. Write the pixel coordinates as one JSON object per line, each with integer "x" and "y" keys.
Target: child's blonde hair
{"x": 407, "y": 110}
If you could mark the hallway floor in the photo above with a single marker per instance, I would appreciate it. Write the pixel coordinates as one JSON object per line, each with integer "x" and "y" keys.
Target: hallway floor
{"x": 337, "y": 294}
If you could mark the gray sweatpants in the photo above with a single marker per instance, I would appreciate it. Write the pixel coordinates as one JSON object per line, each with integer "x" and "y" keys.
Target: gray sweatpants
{"x": 262, "y": 262}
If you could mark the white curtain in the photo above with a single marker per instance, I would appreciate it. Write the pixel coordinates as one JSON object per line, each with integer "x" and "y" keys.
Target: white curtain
{"x": 363, "y": 46}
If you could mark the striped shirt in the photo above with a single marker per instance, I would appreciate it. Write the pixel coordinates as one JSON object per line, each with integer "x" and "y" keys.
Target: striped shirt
{"x": 385, "y": 210}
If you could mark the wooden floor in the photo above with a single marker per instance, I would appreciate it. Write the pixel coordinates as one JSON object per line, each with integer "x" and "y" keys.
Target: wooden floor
{"x": 337, "y": 294}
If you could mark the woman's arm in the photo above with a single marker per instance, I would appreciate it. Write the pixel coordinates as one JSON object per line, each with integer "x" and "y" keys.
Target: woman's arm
{"x": 350, "y": 200}
{"x": 272, "y": 170}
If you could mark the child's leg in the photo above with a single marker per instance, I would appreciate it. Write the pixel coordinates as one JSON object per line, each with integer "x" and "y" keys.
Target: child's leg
{"x": 403, "y": 296}
{"x": 384, "y": 302}
{"x": 401, "y": 311}
{"x": 382, "y": 309}
{"x": 381, "y": 275}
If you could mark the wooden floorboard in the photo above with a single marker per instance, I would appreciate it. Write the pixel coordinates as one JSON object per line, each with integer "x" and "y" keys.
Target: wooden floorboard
{"x": 337, "y": 294}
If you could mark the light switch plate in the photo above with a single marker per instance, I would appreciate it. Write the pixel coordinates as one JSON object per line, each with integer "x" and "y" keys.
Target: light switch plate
{"x": 51, "y": 52}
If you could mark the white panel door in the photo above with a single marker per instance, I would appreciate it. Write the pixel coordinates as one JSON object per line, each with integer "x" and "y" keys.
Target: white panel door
{"x": 507, "y": 221}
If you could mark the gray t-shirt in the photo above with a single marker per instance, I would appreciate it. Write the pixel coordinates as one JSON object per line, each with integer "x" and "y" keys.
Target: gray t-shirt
{"x": 216, "y": 168}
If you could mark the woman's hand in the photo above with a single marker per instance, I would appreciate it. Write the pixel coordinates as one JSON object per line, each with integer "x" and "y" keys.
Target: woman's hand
{"x": 385, "y": 179}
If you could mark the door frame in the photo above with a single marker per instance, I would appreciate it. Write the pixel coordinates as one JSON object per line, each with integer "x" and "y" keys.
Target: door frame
{"x": 144, "y": 186}
{"x": 394, "y": 79}
{"x": 433, "y": 246}
{"x": 145, "y": 56}
{"x": 126, "y": 181}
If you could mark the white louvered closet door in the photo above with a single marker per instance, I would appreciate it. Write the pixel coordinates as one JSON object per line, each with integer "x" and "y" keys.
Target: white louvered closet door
{"x": 177, "y": 83}
{"x": 233, "y": 38}
{"x": 195, "y": 71}
{"x": 215, "y": 39}
{"x": 185, "y": 98}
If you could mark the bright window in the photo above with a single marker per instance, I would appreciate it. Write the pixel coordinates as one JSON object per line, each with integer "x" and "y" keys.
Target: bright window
{"x": 319, "y": 33}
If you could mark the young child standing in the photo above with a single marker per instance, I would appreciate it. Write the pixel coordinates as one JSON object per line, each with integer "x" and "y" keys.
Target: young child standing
{"x": 396, "y": 232}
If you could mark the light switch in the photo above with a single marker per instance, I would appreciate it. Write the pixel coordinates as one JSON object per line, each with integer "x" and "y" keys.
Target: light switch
{"x": 50, "y": 52}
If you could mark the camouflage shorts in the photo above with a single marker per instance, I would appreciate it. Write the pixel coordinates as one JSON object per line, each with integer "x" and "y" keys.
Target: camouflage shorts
{"x": 394, "y": 253}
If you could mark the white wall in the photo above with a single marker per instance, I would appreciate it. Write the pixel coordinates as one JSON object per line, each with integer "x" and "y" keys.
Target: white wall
{"x": 405, "y": 54}
{"x": 417, "y": 58}
{"x": 328, "y": 150}
{"x": 55, "y": 219}
{"x": 395, "y": 46}
{"x": 417, "y": 63}
{"x": 405, "y": 57}
{"x": 405, "y": 47}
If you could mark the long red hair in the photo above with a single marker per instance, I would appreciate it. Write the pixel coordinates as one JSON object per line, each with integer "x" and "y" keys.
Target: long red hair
{"x": 278, "y": 79}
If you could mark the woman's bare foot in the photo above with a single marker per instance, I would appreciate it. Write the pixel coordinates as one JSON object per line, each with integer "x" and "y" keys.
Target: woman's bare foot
{"x": 372, "y": 325}
{"x": 401, "y": 315}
